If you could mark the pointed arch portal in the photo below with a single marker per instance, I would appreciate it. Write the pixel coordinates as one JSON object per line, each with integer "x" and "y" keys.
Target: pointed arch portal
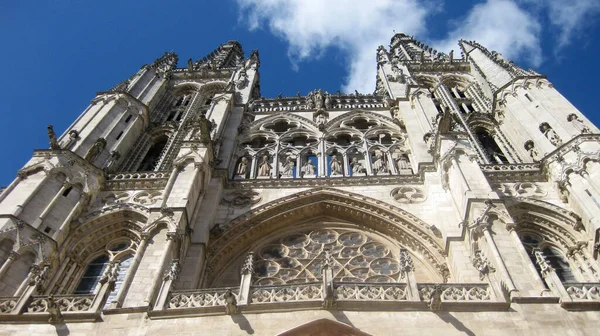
{"x": 324, "y": 213}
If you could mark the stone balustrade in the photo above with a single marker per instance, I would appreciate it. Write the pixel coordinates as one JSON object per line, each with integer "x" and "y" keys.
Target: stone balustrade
{"x": 212, "y": 297}
{"x": 137, "y": 180}
{"x": 66, "y": 303}
{"x": 583, "y": 291}
{"x": 7, "y": 304}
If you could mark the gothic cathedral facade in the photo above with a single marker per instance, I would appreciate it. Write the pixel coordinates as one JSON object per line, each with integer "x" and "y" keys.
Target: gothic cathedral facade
{"x": 462, "y": 196}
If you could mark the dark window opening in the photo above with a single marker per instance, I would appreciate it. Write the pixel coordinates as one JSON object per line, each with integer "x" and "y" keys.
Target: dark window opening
{"x": 67, "y": 191}
{"x": 490, "y": 148}
{"x": 528, "y": 98}
{"x": 47, "y": 229}
{"x": 128, "y": 118}
{"x": 92, "y": 275}
{"x": 119, "y": 135}
{"x": 151, "y": 159}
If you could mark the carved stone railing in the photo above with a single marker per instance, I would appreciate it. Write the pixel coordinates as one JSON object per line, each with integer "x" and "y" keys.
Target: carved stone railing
{"x": 457, "y": 292}
{"x": 7, "y": 304}
{"x": 286, "y": 293}
{"x": 500, "y": 172}
{"x": 212, "y": 297}
{"x": 583, "y": 291}
{"x": 371, "y": 292}
{"x": 137, "y": 180}
{"x": 70, "y": 303}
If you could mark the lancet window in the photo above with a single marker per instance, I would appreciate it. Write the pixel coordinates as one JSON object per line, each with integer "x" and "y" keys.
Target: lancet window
{"x": 153, "y": 155}
{"x": 537, "y": 247}
{"x": 357, "y": 145}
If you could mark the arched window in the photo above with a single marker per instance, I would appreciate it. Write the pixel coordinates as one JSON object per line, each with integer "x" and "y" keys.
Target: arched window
{"x": 552, "y": 255}
{"x": 91, "y": 277}
{"x": 151, "y": 159}
{"x": 124, "y": 266}
{"x": 490, "y": 147}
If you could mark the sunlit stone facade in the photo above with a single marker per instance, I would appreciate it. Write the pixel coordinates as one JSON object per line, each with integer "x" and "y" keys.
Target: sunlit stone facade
{"x": 461, "y": 197}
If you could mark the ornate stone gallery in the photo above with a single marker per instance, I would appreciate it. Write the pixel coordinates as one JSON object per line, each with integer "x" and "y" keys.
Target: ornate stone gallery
{"x": 461, "y": 196}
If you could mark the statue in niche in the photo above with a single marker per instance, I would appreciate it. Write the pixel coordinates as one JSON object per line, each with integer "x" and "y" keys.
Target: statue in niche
{"x": 336, "y": 167}
{"x": 533, "y": 153}
{"x": 550, "y": 135}
{"x": 327, "y": 100}
{"x": 242, "y": 79}
{"x": 242, "y": 168}
{"x": 288, "y": 167}
{"x": 205, "y": 129}
{"x": 95, "y": 150}
{"x": 578, "y": 123}
{"x": 52, "y": 137}
{"x": 265, "y": 167}
{"x": 318, "y": 98}
{"x": 73, "y": 136}
{"x": 379, "y": 164}
{"x": 403, "y": 163}
{"x": 356, "y": 166}
{"x": 308, "y": 168}
{"x": 321, "y": 119}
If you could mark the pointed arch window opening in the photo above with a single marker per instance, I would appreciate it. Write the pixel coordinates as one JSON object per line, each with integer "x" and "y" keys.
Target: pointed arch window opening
{"x": 91, "y": 278}
{"x": 553, "y": 256}
{"x": 490, "y": 148}
{"x": 152, "y": 158}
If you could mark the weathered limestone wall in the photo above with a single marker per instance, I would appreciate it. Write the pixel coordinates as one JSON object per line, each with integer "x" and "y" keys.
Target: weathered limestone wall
{"x": 522, "y": 319}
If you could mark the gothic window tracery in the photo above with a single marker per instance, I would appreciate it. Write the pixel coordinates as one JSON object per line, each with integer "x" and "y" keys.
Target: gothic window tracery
{"x": 152, "y": 157}
{"x": 299, "y": 258}
{"x": 489, "y": 146}
{"x": 354, "y": 145}
{"x": 534, "y": 242}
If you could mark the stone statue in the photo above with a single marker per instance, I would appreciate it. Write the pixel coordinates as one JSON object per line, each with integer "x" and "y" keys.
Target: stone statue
{"x": 403, "y": 163}
{"x": 265, "y": 168}
{"x": 309, "y": 101}
{"x": 52, "y": 137}
{"x": 95, "y": 150}
{"x": 190, "y": 65}
{"x": 578, "y": 123}
{"x": 288, "y": 167}
{"x": 242, "y": 79}
{"x": 379, "y": 164}
{"x": 242, "y": 168}
{"x": 327, "y": 100}
{"x": 321, "y": 119}
{"x": 533, "y": 153}
{"x": 336, "y": 167}
{"x": 308, "y": 168}
{"x": 318, "y": 98}
{"x": 356, "y": 166}
{"x": 205, "y": 129}
{"x": 551, "y": 135}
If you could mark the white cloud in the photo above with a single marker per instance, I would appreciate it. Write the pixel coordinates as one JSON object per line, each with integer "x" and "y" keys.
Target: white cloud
{"x": 570, "y": 17}
{"x": 356, "y": 26}
{"x": 511, "y": 27}
{"x": 499, "y": 25}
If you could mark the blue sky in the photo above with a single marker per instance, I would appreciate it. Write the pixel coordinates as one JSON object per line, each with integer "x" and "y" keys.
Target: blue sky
{"x": 58, "y": 54}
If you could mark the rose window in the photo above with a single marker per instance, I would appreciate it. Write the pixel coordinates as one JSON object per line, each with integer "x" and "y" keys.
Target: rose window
{"x": 300, "y": 258}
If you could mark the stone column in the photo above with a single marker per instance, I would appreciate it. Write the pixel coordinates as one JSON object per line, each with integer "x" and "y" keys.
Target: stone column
{"x": 407, "y": 271}
{"x": 174, "y": 172}
{"x": 171, "y": 237}
{"x": 50, "y": 205}
{"x": 367, "y": 156}
{"x": 21, "y": 175}
{"x": 131, "y": 272}
{"x": 550, "y": 276}
{"x": 246, "y": 281}
{"x": 169, "y": 276}
{"x": 12, "y": 256}
{"x": 506, "y": 280}
{"x": 107, "y": 282}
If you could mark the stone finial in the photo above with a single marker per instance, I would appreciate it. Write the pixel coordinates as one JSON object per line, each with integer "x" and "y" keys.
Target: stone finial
{"x": 248, "y": 266}
{"x": 406, "y": 261}
{"x": 52, "y": 137}
{"x": 173, "y": 272}
{"x": 482, "y": 265}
